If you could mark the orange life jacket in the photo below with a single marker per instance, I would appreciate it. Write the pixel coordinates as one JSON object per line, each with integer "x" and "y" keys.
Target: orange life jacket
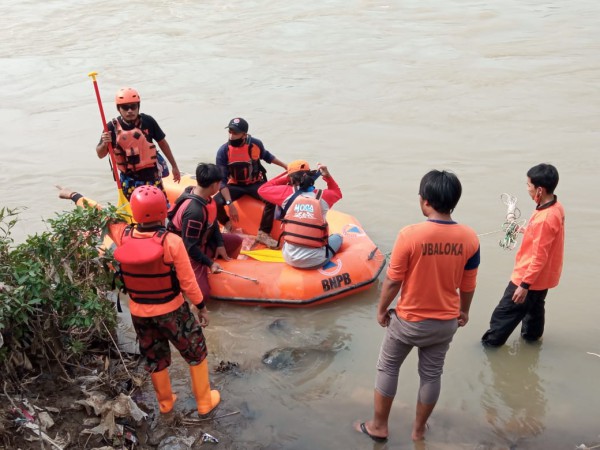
{"x": 133, "y": 152}
{"x": 147, "y": 278}
{"x": 210, "y": 215}
{"x": 304, "y": 223}
{"x": 244, "y": 164}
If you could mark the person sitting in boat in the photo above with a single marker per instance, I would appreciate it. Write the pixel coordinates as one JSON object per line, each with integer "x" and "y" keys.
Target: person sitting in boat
{"x": 194, "y": 218}
{"x": 157, "y": 273}
{"x": 307, "y": 243}
{"x": 240, "y": 162}
{"x": 132, "y": 135}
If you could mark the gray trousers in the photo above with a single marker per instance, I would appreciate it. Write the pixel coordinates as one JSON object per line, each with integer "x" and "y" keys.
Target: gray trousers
{"x": 432, "y": 338}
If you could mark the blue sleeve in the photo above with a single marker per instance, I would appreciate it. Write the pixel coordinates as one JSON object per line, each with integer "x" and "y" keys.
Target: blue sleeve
{"x": 473, "y": 262}
{"x": 222, "y": 162}
{"x": 265, "y": 154}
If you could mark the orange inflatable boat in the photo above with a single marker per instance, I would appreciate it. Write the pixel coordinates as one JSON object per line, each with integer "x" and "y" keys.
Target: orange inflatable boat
{"x": 260, "y": 277}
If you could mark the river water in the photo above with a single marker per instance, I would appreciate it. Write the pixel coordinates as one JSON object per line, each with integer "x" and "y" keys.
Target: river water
{"x": 382, "y": 92}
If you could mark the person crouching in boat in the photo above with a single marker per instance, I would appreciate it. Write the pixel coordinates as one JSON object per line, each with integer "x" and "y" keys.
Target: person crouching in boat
{"x": 156, "y": 271}
{"x": 194, "y": 218}
{"x": 307, "y": 243}
{"x": 132, "y": 135}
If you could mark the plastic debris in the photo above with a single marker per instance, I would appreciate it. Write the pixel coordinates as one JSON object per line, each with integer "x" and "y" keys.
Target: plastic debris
{"x": 209, "y": 438}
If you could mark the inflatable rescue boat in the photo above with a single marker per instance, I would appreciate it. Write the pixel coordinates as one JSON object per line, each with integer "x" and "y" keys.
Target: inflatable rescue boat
{"x": 260, "y": 277}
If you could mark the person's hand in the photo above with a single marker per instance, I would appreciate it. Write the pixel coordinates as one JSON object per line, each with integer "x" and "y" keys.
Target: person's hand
{"x": 106, "y": 138}
{"x": 203, "y": 317}
{"x": 519, "y": 295}
{"x": 383, "y": 317}
{"x": 323, "y": 169}
{"x": 176, "y": 174}
{"x": 220, "y": 252}
{"x": 463, "y": 318}
{"x": 233, "y": 213}
{"x": 64, "y": 193}
{"x": 215, "y": 268}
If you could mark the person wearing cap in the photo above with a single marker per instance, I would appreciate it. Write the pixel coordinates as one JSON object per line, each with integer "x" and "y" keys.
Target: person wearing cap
{"x": 307, "y": 243}
{"x": 240, "y": 162}
{"x": 132, "y": 136}
{"x": 156, "y": 272}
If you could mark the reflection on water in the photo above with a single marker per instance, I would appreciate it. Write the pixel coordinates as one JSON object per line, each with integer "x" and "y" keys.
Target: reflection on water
{"x": 514, "y": 400}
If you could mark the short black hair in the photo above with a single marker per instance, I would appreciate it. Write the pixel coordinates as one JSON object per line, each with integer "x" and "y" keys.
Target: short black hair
{"x": 544, "y": 175}
{"x": 304, "y": 179}
{"x": 207, "y": 174}
{"x": 441, "y": 189}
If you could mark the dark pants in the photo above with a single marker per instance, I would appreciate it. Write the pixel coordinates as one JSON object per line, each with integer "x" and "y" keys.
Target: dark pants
{"x": 233, "y": 245}
{"x": 236, "y": 191}
{"x": 179, "y": 327}
{"x": 509, "y": 314}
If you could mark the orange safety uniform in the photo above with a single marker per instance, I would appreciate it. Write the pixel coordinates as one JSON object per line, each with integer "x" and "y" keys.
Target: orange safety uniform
{"x": 304, "y": 222}
{"x": 244, "y": 164}
{"x": 539, "y": 260}
{"x": 433, "y": 260}
{"x": 133, "y": 150}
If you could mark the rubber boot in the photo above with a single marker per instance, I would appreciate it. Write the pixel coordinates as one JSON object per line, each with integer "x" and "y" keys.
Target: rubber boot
{"x": 206, "y": 400}
{"x": 162, "y": 387}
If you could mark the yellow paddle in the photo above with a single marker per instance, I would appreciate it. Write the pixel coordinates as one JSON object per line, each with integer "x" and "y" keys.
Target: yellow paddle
{"x": 264, "y": 255}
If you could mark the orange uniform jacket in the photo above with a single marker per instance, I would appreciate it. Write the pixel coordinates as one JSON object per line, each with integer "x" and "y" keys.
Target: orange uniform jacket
{"x": 433, "y": 260}
{"x": 539, "y": 260}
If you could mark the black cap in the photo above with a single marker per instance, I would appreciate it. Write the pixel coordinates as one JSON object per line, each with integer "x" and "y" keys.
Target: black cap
{"x": 238, "y": 124}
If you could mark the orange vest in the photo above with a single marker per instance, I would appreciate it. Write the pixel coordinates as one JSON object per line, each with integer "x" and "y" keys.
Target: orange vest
{"x": 244, "y": 164}
{"x": 133, "y": 152}
{"x": 304, "y": 223}
{"x": 147, "y": 279}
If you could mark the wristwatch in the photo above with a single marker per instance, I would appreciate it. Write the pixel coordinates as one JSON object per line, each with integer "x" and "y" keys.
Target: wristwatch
{"x": 228, "y": 202}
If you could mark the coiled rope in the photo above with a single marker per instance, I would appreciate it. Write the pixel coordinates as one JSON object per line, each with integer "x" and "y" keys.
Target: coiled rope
{"x": 511, "y": 225}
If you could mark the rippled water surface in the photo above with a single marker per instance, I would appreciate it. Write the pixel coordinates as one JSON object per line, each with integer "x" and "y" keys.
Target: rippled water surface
{"x": 381, "y": 92}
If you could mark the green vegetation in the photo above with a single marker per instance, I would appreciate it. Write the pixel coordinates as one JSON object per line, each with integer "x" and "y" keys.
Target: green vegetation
{"x": 54, "y": 288}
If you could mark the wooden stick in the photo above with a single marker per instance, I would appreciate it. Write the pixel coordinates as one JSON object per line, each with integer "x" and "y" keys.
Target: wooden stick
{"x": 239, "y": 276}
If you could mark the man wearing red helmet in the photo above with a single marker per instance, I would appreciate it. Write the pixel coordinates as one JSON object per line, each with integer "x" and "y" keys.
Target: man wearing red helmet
{"x": 132, "y": 135}
{"x": 156, "y": 271}
{"x": 240, "y": 162}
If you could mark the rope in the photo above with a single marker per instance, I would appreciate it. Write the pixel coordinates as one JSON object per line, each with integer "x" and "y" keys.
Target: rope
{"x": 511, "y": 225}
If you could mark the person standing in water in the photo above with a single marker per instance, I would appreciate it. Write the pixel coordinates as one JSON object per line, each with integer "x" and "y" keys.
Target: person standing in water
{"x": 538, "y": 264}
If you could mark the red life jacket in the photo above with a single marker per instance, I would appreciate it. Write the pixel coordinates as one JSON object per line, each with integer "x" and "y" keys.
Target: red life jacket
{"x": 133, "y": 152}
{"x": 304, "y": 223}
{"x": 210, "y": 215}
{"x": 147, "y": 278}
{"x": 244, "y": 164}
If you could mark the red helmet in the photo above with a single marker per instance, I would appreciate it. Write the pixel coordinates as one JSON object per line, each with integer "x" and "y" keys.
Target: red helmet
{"x": 127, "y": 95}
{"x": 148, "y": 204}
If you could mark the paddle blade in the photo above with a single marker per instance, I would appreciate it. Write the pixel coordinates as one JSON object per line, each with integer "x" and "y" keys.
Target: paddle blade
{"x": 124, "y": 207}
{"x": 264, "y": 254}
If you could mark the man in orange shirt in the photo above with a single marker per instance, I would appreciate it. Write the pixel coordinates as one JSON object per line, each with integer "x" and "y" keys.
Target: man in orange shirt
{"x": 435, "y": 263}
{"x": 538, "y": 264}
{"x": 156, "y": 271}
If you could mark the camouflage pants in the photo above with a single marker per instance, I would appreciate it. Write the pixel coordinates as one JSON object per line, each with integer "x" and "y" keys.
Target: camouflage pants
{"x": 179, "y": 327}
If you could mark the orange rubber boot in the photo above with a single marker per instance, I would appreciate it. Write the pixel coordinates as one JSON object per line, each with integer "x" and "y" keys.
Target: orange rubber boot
{"x": 162, "y": 387}
{"x": 206, "y": 400}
